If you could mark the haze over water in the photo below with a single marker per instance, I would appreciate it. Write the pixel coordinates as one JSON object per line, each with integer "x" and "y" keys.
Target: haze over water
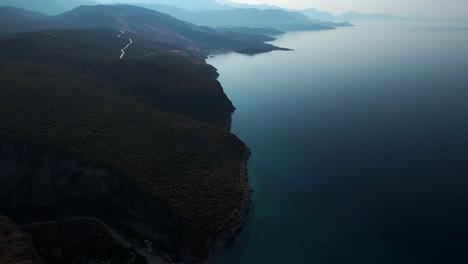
{"x": 360, "y": 145}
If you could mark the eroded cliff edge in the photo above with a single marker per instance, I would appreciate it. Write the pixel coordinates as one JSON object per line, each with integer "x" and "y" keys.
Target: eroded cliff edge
{"x": 42, "y": 183}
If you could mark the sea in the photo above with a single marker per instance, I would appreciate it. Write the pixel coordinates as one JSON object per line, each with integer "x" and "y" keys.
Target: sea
{"x": 359, "y": 140}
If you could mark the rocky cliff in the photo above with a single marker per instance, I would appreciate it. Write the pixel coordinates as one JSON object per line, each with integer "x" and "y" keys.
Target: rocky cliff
{"x": 39, "y": 182}
{"x": 15, "y": 246}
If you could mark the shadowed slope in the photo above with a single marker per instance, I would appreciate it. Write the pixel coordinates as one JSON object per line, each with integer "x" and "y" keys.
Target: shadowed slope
{"x": 84, "y": 125}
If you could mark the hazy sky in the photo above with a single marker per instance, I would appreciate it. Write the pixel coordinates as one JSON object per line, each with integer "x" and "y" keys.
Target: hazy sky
{"x": 438, "y": 8}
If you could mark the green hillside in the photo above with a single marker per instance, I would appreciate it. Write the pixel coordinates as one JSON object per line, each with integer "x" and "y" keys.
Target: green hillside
{"x": 176, "y": 82}
{"x": 69, "y": 92}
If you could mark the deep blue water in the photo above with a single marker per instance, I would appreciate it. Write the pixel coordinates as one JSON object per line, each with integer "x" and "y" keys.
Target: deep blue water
{"x": 360, "y": 145}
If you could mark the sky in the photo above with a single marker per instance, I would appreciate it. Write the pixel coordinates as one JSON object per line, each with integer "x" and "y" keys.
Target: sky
{"x": 432, "y": 8}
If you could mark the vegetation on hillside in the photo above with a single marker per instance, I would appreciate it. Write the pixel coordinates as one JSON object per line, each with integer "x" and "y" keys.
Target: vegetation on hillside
{"x": 178, "y": 82}
{"x": 68, "y": 89}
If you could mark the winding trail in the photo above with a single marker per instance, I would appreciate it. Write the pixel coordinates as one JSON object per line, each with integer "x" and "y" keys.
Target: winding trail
{"x": 126, "y": 47}
{"x": 118, "y": 238}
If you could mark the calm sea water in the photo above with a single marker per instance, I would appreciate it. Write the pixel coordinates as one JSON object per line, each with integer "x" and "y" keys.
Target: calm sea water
{"x": 360, "y": 145}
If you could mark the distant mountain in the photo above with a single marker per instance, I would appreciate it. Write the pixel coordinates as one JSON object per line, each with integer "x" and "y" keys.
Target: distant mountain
{"x": 349, "y": 16}
{"x": 147, "y": 23}
{"x": 196, "y": 4}
{"x": 242, "y": 17}
{"x": 232, "y": 34}
{"x": 14, "y": 11}
{"x": 185, "y": 4}
{"x": 255, "y": 18}
{"x": 14, "y": 20}
{"x": 177, "y": 12}
{"x": 50, "y": 7}
{"x": 230, "y": 4}
{"x": 254, "y": 31}
{"x": 317, "y": 14}
{"x": 313, "y": 13}
{"x": 143, "y": 22}
{"x": 232, "y": 17}
{"x": 358, "y": 16}
{"x": 180, "y": 8}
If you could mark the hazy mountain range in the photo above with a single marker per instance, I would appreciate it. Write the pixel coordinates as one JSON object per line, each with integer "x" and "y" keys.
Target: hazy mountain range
{"x": 50, "y": 7}
{"x": 181, "y": 9}
{"x": 315, "y": 13}
{"x": 349, "y": 16}
{"x": 149, "y": 24}
{"x": 227, "y": 4}
{"x": 246, "y": 17}
{"x": 217, "y": 16}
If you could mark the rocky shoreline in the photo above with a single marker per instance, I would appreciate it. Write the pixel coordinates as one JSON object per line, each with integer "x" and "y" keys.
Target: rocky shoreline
{"x": 238, "y": 218}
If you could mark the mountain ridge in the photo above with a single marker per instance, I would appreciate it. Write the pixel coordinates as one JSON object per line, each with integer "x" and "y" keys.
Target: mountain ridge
{"x": 279, "y": 19}
{"x": 150, "y": 24}
{"x": 49, "y": 7}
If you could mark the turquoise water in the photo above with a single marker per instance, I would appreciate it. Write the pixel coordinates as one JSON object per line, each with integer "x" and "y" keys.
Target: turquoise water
{"x": 360, "y": 145}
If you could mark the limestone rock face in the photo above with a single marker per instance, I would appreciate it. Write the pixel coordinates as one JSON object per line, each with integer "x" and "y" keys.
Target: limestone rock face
{"x": 34, "y": 178}
{"x": 15, "y": 246}
{"x": 40, "y": 181}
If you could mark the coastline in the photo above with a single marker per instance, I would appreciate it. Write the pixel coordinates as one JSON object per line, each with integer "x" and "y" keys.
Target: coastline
{"x": 238, "y": 217}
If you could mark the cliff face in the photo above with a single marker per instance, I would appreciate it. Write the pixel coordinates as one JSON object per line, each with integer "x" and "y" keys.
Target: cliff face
{"x": 15, "y": 246}
{"x": 41, "y": 182}
{"x": 33, "y": 177}
{"x": 80, "y": 240}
